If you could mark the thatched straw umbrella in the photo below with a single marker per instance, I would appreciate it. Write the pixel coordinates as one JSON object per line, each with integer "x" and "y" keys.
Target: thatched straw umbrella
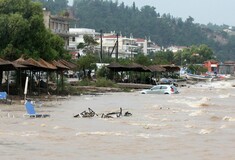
{"x": 49, "y": 68}
{"x": 60, "y": 68}
{"x": 32, "y": 66}
{"x": 8, "y": 66}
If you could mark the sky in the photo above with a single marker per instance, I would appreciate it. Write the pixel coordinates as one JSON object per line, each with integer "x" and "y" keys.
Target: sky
{"x": 203, "y": 11}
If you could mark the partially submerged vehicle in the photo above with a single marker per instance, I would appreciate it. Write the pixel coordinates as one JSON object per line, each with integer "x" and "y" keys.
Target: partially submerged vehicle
{"x": 161, "y": 89}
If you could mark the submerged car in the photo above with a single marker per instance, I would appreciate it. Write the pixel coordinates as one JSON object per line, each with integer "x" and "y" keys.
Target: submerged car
{"x": 161, "y": 89}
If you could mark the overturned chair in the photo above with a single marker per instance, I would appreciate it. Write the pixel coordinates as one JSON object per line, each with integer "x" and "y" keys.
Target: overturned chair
{"x": 86, "y": 114}
{"x": 116, "y": 114}
{"x": 31, "y": 111}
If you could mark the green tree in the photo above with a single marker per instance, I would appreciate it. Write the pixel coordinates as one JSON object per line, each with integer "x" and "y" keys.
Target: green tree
{"x": 55, "y": 6}
{"x": 164, "y": 57}
{"x": 88, "y": 45}
{"x": 194, "y": 55}
{"x": 87, "y": 63}
{"x": 142, "y": 59}
{"x": 22, "y": 31}
{"x": 197, "y": 69}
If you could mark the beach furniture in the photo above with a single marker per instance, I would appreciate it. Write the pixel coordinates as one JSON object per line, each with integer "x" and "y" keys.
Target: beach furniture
{"x": 112, "y": 114}
{"x": 86, "y": 114}
{"x": 31, "y": 111}
{"x": 4, "y": 98}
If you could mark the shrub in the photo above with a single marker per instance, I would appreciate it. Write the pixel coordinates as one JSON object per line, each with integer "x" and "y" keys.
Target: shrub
{"x": 103, "y": 82}
{"x": 85, "y": 82}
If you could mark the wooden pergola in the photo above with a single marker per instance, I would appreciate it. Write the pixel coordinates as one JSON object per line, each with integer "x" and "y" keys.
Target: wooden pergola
{"x": 134, "y": 67}
{"x": 30, "y": 67}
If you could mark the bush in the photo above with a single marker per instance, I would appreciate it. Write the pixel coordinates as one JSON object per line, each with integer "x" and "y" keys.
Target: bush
{"x": 102, "y": 72}
{"x": 103, "y": 82}
{"x": 85, "y": 82}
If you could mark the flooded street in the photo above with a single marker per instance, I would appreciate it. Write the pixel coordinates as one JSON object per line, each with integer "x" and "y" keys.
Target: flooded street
{"x": 198, "y": 123}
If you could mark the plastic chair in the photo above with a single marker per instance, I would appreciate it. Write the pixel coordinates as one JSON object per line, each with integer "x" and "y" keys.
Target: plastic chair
{"x": 31, "y": 111}
{"x": 4, "y": 98}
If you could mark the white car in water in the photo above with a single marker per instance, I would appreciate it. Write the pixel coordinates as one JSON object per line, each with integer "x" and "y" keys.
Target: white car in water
{"x": 161, "y": 89}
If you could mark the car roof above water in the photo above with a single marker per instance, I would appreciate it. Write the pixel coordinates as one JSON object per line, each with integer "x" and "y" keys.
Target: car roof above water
{"x": 164, "y": 85}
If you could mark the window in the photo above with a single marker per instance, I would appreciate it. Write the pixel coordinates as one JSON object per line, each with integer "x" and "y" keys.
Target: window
{"x": 156, "y": 88}
{"x": 73, "y": 39}
{"x": 163, "y": 87}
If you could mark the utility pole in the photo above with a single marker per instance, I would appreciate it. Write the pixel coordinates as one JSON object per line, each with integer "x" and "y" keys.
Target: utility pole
{"x": 117, "y": 49}
{"x": 101, "y": 45}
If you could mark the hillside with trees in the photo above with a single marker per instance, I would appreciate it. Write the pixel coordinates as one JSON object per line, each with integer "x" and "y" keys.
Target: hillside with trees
{"x": 146, "y": 22}
{"x": 164, "y": 30}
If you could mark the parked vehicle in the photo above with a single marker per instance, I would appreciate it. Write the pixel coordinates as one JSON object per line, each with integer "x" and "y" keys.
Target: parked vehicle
{"x": 161, "y": 89}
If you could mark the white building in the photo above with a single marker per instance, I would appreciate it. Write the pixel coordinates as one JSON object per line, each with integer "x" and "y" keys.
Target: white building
{"x": 76, "y": 37}
{"x": 127, "y": 46}
{"x": 147, "y": 46}
{"x": 175, "y": 49}
{"x": 143, "y": 45}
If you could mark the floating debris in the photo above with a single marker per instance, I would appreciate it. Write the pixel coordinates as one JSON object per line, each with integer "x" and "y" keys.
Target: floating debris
{"x": 112, "y": 114}
{"x": 86, "y": 114}
{"x": 116, "y": 114}
{"x": 127, "y": 114}
{"x": 90, "y": 113}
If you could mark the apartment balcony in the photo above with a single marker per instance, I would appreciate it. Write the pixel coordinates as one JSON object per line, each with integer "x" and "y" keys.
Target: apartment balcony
{"x": 63, "y": 33}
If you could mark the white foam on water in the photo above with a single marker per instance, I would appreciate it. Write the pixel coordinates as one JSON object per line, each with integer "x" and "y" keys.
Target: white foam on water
{"x": 164, "y": 120}
{"x": 205, "y": 99}
{"x": 151, "y": 117}
{"x": 145, "y": 124}
{"x": 149, "y": 125}
{"x": 223, "y": 126}
{"x": 230, "y": 119}
{"x": 186, "y": 110}
{"x": 29, "y": 133}
{"x": 183, "y": 101}
{"x": 225, "y": 96}
{"x": 143, "y": 135}
{"x": 189, "y": 126}
{"x": 205, "y": 131}
{"x": 22, "y": 134}
{"x": 100, "y": 133}
{"x": 203, "y": 102}
{"x": 196, "y": 113}
{"x": 156, "y": 106}
{"x": 147, "y": 136}
{"x": 56, "y": 127}
{"x": 223, "y": 84}
{"x": 216, "y": 84}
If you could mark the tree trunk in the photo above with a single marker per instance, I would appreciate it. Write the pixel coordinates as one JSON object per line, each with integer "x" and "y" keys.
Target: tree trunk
{"x": 84, "y": 73}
